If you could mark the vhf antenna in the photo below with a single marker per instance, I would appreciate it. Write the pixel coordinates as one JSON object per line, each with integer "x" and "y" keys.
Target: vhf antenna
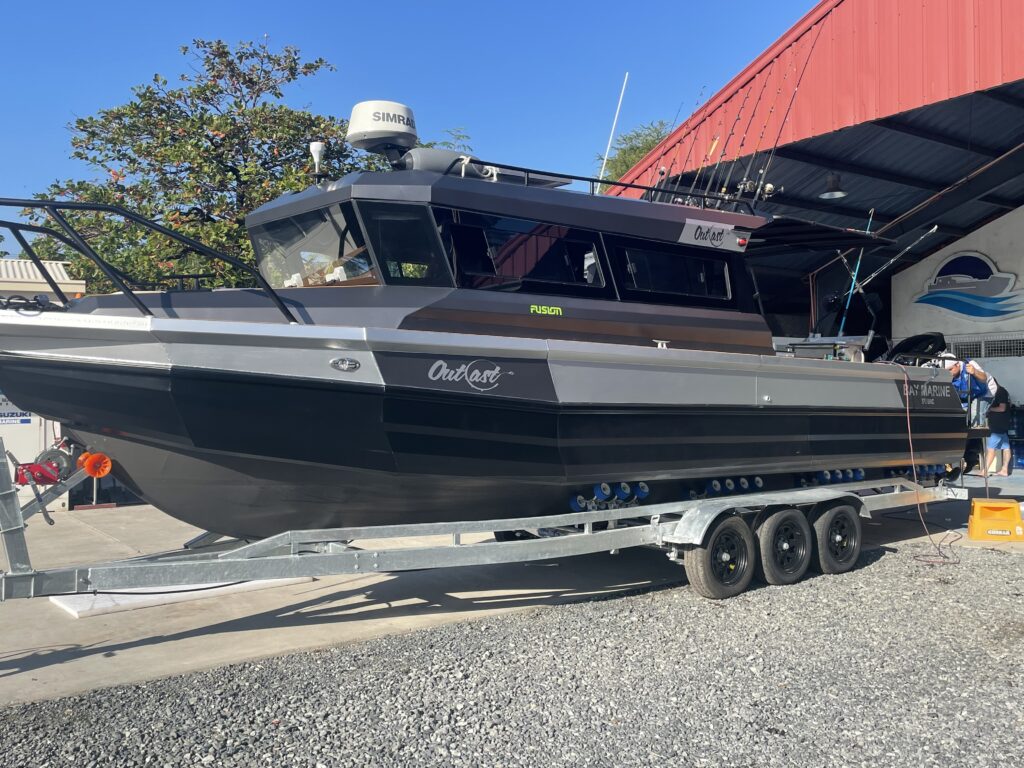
{"x": 611, "y": 135}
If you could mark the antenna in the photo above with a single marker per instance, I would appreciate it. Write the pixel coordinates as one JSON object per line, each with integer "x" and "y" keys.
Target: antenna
{"x": 615, "y": 122}
{"x": 316, "y": 149}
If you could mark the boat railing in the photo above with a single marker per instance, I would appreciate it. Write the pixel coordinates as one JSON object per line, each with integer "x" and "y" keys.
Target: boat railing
{"x": 72, "y": 238}
{"x": 658, "y": 194}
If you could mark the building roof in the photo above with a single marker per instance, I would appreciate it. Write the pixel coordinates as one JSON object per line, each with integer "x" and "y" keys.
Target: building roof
{"x": 845, "y": 63}
{"x": 918, "y": 105}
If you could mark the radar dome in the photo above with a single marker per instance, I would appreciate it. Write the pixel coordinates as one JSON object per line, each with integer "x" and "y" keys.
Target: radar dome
{"x": 377, "y": 126}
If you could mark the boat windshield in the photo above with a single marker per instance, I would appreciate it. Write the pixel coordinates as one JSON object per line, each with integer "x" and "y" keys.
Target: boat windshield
{"x": 324, "y": 247}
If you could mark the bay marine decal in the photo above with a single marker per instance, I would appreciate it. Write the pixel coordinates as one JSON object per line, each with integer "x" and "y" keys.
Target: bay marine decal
{"x": 969, "y": 284}
{"x": 931, "y": 394}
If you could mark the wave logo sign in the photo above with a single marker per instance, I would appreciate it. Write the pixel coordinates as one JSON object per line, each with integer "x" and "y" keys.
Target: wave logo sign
{"x": 481, "y": 375}
{"x": 968, "y": 283}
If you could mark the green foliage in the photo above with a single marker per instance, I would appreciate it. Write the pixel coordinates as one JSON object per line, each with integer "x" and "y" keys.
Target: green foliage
{"x": 630, "y": 147}
{"x": 197, "y": 156}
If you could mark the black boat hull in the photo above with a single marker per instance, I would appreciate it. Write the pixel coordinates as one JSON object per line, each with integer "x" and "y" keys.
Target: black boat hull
{"x": 250, "y": 456}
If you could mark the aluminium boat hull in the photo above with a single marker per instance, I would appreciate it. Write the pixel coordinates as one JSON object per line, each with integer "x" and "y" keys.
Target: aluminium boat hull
{"x": 250, "y": 429}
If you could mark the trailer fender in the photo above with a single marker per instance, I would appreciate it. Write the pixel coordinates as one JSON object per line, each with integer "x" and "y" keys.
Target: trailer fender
{"x": 693, "y": 526}
{"x": 851, "y": 500}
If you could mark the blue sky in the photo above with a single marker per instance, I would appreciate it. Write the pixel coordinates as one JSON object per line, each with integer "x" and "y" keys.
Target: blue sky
{"x": 532, "y": 83}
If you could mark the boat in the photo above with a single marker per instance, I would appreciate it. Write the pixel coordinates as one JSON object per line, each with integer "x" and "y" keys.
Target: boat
{"x": 456, "y": 340}
{"x": 993, "y": 285}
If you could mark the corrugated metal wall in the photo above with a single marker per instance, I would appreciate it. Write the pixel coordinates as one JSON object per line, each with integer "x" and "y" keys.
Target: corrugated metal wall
{"x": 854, "y": 61}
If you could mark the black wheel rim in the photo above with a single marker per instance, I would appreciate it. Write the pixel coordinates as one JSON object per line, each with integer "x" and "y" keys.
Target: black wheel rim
{"x": 842, "y": 538}
{"x": 728, "y": 558}
{"x": 789, "y": 547}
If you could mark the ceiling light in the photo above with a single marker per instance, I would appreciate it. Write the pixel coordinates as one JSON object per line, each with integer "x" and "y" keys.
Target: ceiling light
{"x": 833, "y": 190}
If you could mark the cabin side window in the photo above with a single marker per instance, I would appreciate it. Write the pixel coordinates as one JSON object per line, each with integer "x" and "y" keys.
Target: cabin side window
{"x": 317, "y": 248}
{"x": 502, "y": 253}
{"x": 404, "y": 241}
{"x": 665, "y": 272}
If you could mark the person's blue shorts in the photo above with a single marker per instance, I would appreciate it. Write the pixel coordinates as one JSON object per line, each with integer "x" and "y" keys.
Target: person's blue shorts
{"x": 997, "y": 442}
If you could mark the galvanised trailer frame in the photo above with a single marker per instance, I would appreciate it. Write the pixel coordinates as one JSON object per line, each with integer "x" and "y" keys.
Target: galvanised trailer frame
{"x": 703, "y": 534}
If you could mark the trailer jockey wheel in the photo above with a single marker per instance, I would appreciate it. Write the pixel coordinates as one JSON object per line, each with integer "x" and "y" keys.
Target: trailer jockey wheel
{"x": 785, "y": 545}
{"x": 837, "y": 539}
{"x": 724, "y": 565}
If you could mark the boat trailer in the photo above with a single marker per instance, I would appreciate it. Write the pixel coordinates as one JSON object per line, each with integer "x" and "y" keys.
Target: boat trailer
{"x": 721, "y": 541}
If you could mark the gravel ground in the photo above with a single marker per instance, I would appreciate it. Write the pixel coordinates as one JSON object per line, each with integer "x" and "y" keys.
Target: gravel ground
{"x": 896, "y": 663}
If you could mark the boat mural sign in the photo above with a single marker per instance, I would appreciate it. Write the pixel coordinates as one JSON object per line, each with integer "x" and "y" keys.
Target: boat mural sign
{"x": 969, "y": 284}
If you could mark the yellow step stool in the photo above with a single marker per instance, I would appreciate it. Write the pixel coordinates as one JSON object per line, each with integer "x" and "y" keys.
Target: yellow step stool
{"x": 995, "y": 521}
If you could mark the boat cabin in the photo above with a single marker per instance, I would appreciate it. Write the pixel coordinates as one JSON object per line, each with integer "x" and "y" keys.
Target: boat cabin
{"x": 431, "y": 229}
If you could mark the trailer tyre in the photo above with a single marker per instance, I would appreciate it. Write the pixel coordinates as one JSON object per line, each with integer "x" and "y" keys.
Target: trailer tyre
{"x": 785, "y": 545}
{"x": 724, "y": 566}
{"x": 837, "y": 539}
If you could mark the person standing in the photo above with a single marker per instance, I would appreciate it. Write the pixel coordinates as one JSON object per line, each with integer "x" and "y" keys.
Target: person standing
{"x": 999, "y": 427}
{"x": 972, "y": 384}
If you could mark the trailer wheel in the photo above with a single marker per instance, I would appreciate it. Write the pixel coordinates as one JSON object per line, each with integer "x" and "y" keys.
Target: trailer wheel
{"x": 785, "y": 545}
{"x": 725, "y": 565}
{"x": 837, "y": 539}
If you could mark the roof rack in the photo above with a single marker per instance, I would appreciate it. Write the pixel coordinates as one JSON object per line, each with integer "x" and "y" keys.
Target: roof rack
{"x": 73, "y": 239}
{"x": 663, "y": 194}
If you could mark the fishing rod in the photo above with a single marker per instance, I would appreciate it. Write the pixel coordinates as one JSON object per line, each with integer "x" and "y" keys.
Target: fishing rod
{"x": 745, "y": 184}
{"x": 853, "y": 277}
{"x": 686, "y": 122}
{"x": 668, "y": 173}
{"x": 707, "y": 155}
{"x": 725, "y": 144}
{"x": 750, "y": 122}
{"x": 792, "y": 98}
{"x": 898, "y": 256}
{"x": 693, "y": 142}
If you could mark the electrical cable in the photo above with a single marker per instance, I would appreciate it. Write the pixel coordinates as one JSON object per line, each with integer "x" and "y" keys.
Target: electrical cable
{"x": 162, "y": 592}
{"x": 941, "y": 558}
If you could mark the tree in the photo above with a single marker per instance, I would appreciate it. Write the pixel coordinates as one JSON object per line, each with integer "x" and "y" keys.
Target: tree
{"x": 630, "y": 147}
{"x": 197, "y": 156}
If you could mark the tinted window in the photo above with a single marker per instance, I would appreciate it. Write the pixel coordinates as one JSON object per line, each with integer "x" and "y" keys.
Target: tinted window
{"x": 655, "y": 268}
{"x": 404, "y": 240}
{"x": 499, "y": 252}
{"x": 318, "y": 248}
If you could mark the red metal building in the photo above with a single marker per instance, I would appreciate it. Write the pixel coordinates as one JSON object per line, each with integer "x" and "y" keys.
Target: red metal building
{"x": 914, "y": 107}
